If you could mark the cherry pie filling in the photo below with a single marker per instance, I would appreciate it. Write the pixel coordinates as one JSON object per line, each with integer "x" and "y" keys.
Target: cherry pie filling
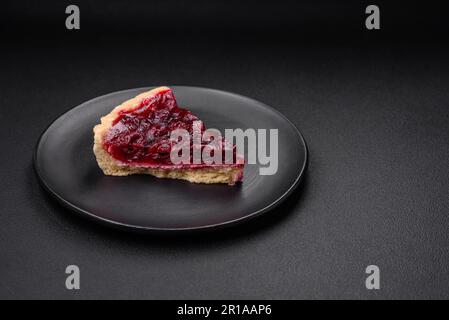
{"x": 142, "y": 135}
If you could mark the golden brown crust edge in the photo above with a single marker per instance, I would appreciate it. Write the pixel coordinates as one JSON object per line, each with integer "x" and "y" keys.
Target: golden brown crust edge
{"x": 111, "y": 167}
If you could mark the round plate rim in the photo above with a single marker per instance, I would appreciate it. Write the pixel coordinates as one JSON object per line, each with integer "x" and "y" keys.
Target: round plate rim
{"x": 126, "y": 226}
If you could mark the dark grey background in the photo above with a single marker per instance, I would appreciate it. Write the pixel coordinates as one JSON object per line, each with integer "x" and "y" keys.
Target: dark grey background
{"x": 373, "y": 107}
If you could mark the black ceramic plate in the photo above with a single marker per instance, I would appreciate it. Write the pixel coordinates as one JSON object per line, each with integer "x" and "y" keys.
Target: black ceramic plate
{"x": 66, "y": 166}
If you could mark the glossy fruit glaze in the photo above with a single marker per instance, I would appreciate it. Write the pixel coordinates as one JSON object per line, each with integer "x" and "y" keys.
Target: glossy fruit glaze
{"x": 142, "y": 135}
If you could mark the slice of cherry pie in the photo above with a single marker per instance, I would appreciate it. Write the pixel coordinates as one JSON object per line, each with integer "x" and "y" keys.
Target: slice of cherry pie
{"x": 135, "y": 138}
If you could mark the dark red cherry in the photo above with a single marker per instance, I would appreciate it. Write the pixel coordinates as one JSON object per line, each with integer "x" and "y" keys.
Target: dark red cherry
{"x": 142, "y": 135}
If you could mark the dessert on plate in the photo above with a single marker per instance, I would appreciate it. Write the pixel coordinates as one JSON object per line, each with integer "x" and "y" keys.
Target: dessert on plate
{"x": 135, "y": 138}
